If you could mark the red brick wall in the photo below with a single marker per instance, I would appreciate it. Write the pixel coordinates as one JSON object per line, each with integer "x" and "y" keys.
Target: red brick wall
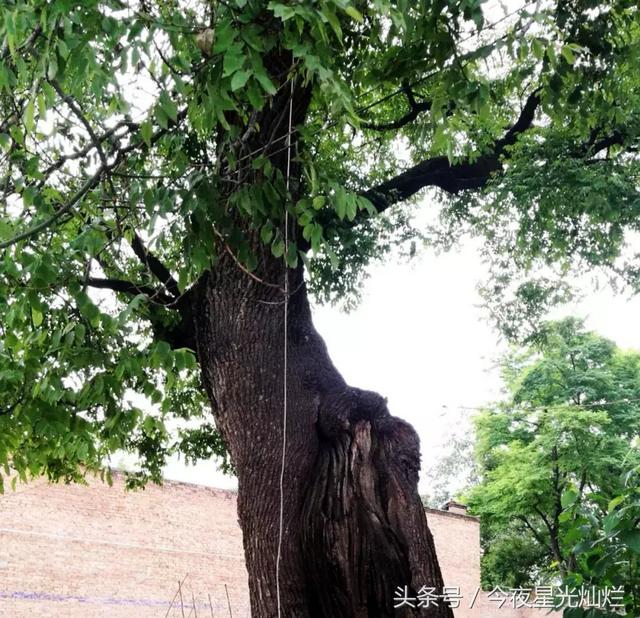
{"x": 76, "y": 551}
{"x": 457, "y": 539}
{"x": 70, "y": 550}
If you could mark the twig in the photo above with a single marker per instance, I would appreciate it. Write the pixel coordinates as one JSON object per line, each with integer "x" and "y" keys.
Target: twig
{"x": 241, "y": 266}
{"x": 6, "y": 52}
{"x": 87, "y": 186}
{"x": 90, "y": 184}
{"x": 154, "y": 265}
{"x": 75, "y": 108}
{"x": 181, "y": 601}
{"x": 175, "y": 595}
{"x": 226, "y": 591}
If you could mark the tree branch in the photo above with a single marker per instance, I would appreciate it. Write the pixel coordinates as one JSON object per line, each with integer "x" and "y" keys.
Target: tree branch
{"x": 536, "y": 535}
{"x": 75, "y": 108}
{"x": 86, "y": 187}
{"x": 178, "y": 335}
{"x": 439, "y": 172}
{"x": 56, "y": 165}
{"x": 595, "y": 146}
{"x": 127, "y": 287}
{"x": 544, "y": 518}
{"x": 89, "y": 185}
{"x": 25, "y": 46}
{"x": 410, "y": 116}
{"x": 155, "y": 266}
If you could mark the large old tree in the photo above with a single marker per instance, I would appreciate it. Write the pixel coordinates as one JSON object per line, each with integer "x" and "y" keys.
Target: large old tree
{"x": 178, "y": 173}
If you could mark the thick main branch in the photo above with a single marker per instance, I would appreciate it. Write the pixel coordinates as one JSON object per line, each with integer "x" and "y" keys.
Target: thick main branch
{"x": 128, "y": 287}
{"x": 452, "y": 177}
{"x": 157, "y": 268}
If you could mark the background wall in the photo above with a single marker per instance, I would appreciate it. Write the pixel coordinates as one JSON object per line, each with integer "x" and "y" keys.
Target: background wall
{"x": 72, "y": 551}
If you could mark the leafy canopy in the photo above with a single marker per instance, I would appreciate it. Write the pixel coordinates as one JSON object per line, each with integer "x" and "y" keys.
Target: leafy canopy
{"x": 606, "y": 542}
{"x": 566, "y": 435}
{"x": 135, "y": 146}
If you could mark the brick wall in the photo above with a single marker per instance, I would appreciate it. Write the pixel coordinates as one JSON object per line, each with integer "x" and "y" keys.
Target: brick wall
{"x": 72, "y": 551}
{"x": 457, "y": 539}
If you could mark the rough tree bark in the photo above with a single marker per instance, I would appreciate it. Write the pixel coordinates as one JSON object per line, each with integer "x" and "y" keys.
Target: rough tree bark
{"x": 354, "y": 525}
{"x": 355, "y": 528}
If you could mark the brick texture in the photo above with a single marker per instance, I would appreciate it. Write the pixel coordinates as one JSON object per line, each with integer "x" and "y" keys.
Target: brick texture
{"x": 89, "y": 551}
{"x": 457, "y": 539}
{"x": 71, "y": 550}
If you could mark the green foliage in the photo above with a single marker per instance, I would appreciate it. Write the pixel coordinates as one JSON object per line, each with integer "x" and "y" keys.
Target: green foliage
{"x": 606, "y": 542}
{"x": 160, "y": 123}
{"x": 512, "y": 560}
{"x": 563, "y": 437}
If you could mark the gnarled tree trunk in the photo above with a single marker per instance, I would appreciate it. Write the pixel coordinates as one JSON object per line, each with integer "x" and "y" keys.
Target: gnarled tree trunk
{"x": 354, "y": 525}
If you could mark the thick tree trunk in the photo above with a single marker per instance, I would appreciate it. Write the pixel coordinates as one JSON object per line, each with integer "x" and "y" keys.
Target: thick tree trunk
{"x": 354, "y": 526}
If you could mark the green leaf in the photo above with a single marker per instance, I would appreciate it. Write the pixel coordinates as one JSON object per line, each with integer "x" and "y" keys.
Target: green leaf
{"x": 255, "y": 94}
{"x": 537, "y": 48}
{"x": 266, "y": 233}
{"x": 352, "y": 207}
{"x": 316, "y": 236}
{"x": 29, "y": 116}
{"x": 333, "y": 258}
{"x": 333, "y": 20}
{"x": 233, "y": 61}
{"x": 292, "y": 255}
{"x": 36, "y": 316}
{"x": 568, "y": 54}
{"x": 354, "y": 13}
{"x": 149, "y": 425}
{"x": 277, "y": 247}
{"x": 161, "y": 117}
{"x": 615, "y": 502}
{"x": 367, "y": 205}
{"x": 631, "y": 539}
{"x": 146, "y": 131}
{"x": 610, "y": 522}
{"x": 225, "y": 36}
{"x": 341, "y": 202}
{"x": 168, "y": 106}
{"x": 52, "y": 68}
{"x": 282, "y": 11}
{"x": 568, "y": 497}
{"x": 63, "y": 50}
{"x": 239, "y": 79}
{"x": 266, "y": 83}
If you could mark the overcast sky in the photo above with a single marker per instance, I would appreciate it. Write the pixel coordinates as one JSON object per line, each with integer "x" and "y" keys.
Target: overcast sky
{"x": 421, "y": 339}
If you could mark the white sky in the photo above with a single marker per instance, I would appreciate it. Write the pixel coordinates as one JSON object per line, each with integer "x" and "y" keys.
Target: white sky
{"x": 421, "y": 339}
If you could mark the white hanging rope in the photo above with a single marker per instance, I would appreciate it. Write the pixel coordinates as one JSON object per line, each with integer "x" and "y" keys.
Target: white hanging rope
{"x": 285, "y": 359}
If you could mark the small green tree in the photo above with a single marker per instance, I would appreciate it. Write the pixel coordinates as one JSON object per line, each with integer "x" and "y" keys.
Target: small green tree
{"x": 565, "y": 431}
